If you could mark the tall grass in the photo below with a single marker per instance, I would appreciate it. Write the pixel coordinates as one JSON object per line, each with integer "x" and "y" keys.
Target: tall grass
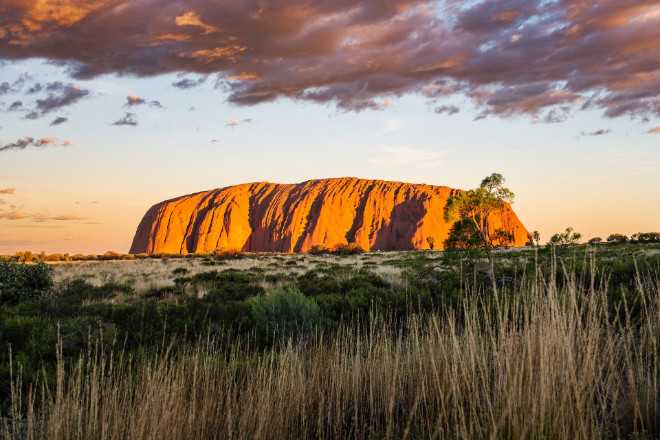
{"x": 538, "y": 362}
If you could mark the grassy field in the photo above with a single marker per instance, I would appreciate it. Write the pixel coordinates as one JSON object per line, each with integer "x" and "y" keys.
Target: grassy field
{"x": 395, "y": 345}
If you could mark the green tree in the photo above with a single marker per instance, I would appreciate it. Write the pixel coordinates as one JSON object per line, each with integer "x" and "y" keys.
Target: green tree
{"x": 594, "y": 241}
{"x": 470, "y": 210}
{"x": 566, "y": 238}
{"x": 617, "y": 239}
{"x": 536, "y": 236}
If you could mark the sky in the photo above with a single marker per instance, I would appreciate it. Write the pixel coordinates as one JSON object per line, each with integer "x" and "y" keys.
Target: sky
{"x": 110, "y": 106}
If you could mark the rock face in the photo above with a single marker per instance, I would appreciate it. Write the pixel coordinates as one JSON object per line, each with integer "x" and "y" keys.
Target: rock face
{"x": 268, "y": 217}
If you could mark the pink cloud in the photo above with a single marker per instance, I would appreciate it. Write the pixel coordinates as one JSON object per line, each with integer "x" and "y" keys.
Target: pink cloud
{"x": 14, "y": 215}
{"x": 8, "y": 191}
{"x": 509, "y": 57}
{"x": 62, "y": 217}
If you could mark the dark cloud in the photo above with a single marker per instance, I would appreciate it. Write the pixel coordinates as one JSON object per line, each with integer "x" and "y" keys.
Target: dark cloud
{"x": 35, "y": 88}
{"x": 60, "y": 95}
{"x": 542, "y": 58}
{"x": 448, "y": 109}
{"x": 28, "y": 141}
{"x": 59, "y": 120}
{"x": 599, "y": 132}
{"x": 32, "y": 115}
{"x": 15, "y": 106}
{"x": 5, "y": 87}
{"x": 187, "y": 83}
{"x": 133, "y": 99}
{"x": 128, "y": 119}
{"x": 8, "y": 191}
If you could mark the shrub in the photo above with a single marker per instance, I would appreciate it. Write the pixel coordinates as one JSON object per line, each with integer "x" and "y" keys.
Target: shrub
{"x": 594, "y": 241}
{"x": 286, "y": 312}
{"x": 180, "y": 271}
{"x": 227, "y": 254}
{"x": 318, "y": 249}
{"x": 617, "y": 239}
{"x": 21, "y": 282}
{"x": 346, "y": 249}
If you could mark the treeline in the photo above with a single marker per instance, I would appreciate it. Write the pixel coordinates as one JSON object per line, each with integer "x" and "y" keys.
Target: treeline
{"x": 640, "y": 237}
{"x": 29, "y": 257}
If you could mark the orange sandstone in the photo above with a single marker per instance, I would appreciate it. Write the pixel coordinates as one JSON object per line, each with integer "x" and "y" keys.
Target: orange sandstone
{"x": 269, "y": 217}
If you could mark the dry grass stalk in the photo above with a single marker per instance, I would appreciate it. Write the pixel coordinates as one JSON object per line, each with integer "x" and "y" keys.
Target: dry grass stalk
{"x": 543, "y": 366}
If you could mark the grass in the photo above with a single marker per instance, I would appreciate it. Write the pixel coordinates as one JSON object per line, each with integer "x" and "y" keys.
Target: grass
{"x": 558, "y": 354}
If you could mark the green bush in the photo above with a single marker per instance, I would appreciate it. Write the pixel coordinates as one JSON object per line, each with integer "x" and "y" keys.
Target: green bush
{"x": 21, "y": 282}
{"x": 286, "y": 312}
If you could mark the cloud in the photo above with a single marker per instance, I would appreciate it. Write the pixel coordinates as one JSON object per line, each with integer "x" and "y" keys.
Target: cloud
{"x": 60, "y": 95}
{"x": 394, "y": 157}
{"x": 35, "y": 88}
{"x": 134, "y": 99}
{"x": 8, "y": 191}
{"x": 14, "y": 215}
{"x": 5, "y": 87}
{"x": 187, "y": 83}
{"x": 62, "y": 217}
{"x": 654, "y": 130}
{"x": 236, "y": 122}
{"x": 27, "y": 141}
{"x": 538, "y": 58}
{"x": 128, "y": 119}
{"x": 599, "y": 132}
{"x": 59, "y": 120}
{"x": 15, "y": 106}
{"x": 448, "y": 109}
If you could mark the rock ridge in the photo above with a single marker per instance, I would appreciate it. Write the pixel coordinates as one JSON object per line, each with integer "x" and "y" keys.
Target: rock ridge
{"x": 271, "y": 217}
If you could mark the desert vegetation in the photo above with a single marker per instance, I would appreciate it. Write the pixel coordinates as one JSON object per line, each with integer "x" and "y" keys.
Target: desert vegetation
{"x": 349, "y": 345}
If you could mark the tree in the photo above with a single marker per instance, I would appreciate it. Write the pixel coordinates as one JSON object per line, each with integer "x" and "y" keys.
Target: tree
{"x": 536, "y": 236}
{"x": 566, "y": 238}
{"x": 594, "y": 241}
{"x": 431, "y": 241}
{"x": 471, "y": 209}
{"x": 617, "y": 239}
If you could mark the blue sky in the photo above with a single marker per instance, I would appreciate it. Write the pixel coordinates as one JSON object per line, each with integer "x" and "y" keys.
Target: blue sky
{"x": 593, "y": 171}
